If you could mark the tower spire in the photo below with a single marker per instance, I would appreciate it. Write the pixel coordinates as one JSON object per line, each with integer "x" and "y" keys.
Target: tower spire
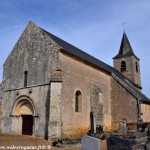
{"x": 125, "y": 48}
{"x": 127, "y": 62}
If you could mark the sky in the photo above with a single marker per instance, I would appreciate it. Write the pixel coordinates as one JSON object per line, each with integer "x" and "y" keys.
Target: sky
{"x": 94, "y": 26}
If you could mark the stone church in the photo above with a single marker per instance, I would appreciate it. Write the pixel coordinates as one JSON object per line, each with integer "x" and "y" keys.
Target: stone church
{"x": 50, "y": 87}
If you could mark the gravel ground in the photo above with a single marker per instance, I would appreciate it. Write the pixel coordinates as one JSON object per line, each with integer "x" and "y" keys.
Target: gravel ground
{"x": 23, "y": 142}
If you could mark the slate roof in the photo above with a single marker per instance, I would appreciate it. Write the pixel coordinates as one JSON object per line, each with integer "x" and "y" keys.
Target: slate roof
{"x": 125, "y": 48}
{"x": 112, "y": 71}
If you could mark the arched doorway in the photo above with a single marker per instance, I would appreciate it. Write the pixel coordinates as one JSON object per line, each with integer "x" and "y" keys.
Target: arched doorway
{"x": 22, "y": 116}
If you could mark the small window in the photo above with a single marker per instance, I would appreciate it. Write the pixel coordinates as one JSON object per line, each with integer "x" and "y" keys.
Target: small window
{"x": 137, "y": 68}
{"x": 78, "y": 101}
{"x": 25, "y": 78}
{"x": 123, "y": 66}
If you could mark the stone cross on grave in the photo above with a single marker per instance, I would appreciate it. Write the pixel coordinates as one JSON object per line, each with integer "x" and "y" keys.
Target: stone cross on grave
{"x": 123, "y": 126}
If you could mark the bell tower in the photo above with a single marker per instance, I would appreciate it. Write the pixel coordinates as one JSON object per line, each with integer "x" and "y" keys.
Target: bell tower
{"x": 127, "y": 62}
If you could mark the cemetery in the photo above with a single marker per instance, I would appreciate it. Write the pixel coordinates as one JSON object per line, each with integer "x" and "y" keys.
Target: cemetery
{"x": 121, "y": 139}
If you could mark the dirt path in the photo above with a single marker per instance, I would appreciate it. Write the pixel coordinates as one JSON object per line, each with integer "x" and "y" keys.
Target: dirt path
{"x": 22, "y": 142}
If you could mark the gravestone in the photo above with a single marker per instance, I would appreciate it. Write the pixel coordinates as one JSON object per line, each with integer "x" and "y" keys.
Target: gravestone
{"x": 123, "y": 126}
{"x": 133, "y": 141}
{"x": 90, "y": 143}
{"x": 116, "y": 143}
{"x": 148, "y": 146}
{"x": 140, "y": 137}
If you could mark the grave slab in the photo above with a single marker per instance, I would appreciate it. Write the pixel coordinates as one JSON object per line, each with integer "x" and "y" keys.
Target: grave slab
{"x": 90, "y": 143}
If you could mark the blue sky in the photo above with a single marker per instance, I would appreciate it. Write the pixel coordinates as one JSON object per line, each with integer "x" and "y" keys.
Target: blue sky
{"x": 95, "y": 26}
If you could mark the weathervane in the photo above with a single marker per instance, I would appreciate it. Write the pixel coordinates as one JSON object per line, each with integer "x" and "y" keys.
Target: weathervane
{"x": 123, "y": 24}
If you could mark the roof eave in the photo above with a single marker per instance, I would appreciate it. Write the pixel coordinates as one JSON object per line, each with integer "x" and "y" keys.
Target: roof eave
{"x": 129, "y": 89}
{"x": 126, "y": 55}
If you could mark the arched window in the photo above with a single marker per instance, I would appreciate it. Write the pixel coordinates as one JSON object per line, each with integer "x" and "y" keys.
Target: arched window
{"x": 25, "y": 78}
{"x": 137, "y": 68}
{"x": 78, "y": 101}
{"x": 123, "y": 66}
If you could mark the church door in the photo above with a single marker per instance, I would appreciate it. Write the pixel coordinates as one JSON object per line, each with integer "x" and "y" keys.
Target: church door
{"x": 27, "y": 124}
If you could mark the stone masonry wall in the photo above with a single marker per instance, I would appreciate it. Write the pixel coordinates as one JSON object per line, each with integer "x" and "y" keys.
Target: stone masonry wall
{"x": 78, "y": 75}
{"x": 145, "y": 110}
{"x": 124, "y": 105}
{"x": 130, "y": 72}
{"x": 35, "y": 53}
{"x": 55, "y": 120}
{"x": 38, "y": 95}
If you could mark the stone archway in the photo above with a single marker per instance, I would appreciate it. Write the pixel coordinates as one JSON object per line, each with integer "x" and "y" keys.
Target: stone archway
{"x": 22, "y": 116}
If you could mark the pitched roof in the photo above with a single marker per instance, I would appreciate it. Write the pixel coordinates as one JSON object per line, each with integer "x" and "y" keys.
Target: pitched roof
{"x": 125, "y": 48}
{"x": 112, "y": 71}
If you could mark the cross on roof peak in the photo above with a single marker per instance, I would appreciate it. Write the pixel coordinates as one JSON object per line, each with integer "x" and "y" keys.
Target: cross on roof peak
{"x": 123, "y": 24}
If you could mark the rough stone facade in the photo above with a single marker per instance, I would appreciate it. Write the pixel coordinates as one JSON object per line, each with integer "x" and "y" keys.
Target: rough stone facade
{"x": 145, "y": 109}
{"x": 132, "y": 68}
{"x": 55, "y": 113}
{"x": 123, "y": 105}
{"x": 127, "y": 62}
{"x": 37, "y": 54}
{"x": 34, "y": 52}
{"x": 37, "y": 96}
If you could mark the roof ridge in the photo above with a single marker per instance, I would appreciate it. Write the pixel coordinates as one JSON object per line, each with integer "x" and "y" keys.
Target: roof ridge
{"x": 67, "y": 47}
